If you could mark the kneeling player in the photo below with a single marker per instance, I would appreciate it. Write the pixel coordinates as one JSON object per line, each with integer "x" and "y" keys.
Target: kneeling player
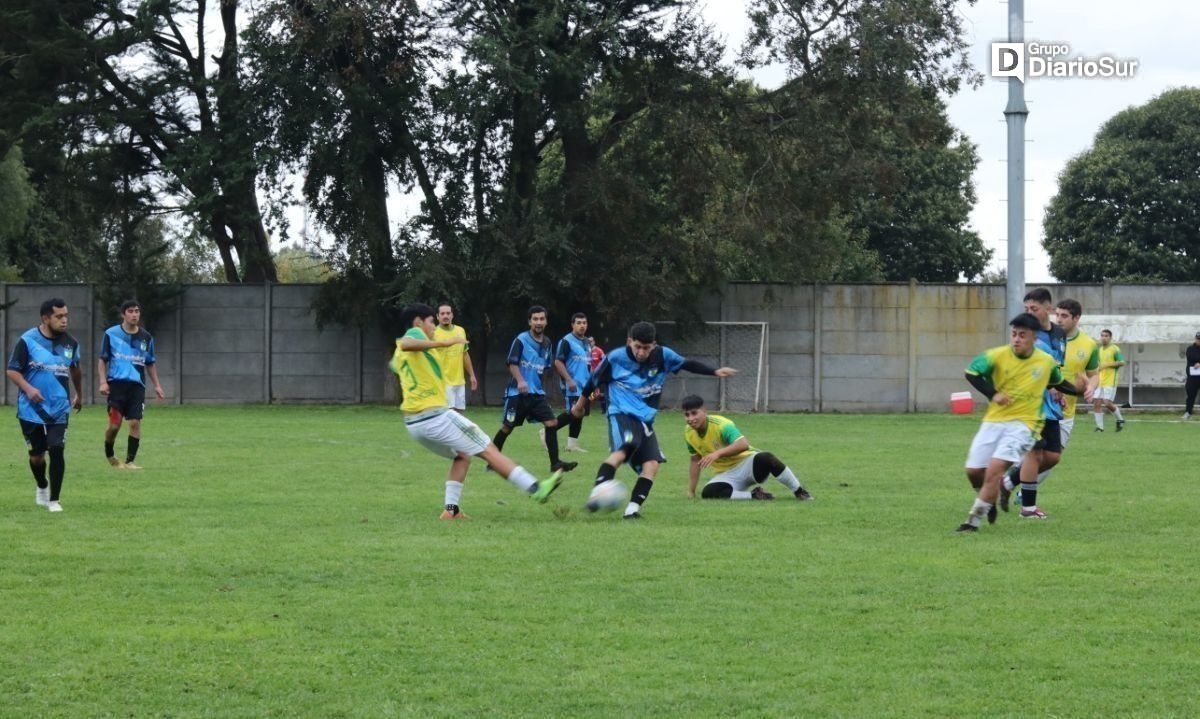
{"x": 429, "y": 420}
{"x": 714, "y": 441}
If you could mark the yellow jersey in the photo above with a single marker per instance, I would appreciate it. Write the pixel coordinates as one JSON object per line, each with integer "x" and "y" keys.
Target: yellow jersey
{"x": 717, "y": 433}
{"x": 1108, "y": 375}
{"x": 451, "y": 358}
{"x": 421, "y": 378}
{"x": 1083, "y": 356}
{"x": 1023, "y": 379}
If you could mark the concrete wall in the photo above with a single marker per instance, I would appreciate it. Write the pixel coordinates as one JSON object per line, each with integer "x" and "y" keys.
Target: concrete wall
{"x": 845, "y": 348}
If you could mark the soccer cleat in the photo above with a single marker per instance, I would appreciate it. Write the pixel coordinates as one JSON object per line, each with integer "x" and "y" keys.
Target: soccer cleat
{"x": 576, "y": 448}
{"x": 991, "y": 515}
{"x": 1187, "y": 416}
{"x": 54, "y": 507}
{"x": 760, "y": 493}
{"x": 547, "y": 486}
{"x": 1034, "y": 513}
{"x": 116, "y": 463}
{"x": 563, "y": 466}
{"x": 1101, "y": 429}
{"x": 42, "y": 496}
{"x": 1120, "y": 424}
{"x": 453, "y": 512}
{"x": 802, "y": 495}
{"x": 130, "y": 465}
{"x": 1005, "y": 497}
{"x": 966, "y": 527}
{"x": 635, "y": 515}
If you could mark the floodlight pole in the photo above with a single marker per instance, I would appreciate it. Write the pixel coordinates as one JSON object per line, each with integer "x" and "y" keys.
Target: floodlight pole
{"x": 1014, "y": 114}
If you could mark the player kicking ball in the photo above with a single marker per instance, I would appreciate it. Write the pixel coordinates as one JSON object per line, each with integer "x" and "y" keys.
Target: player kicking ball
{"x": 446, "y": 433}
{"x": 1014, "y": 378}
{"x": 714, "y": 441}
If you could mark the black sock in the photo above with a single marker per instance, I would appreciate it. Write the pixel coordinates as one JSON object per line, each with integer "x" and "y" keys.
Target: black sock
{"x": 552, "y": 445}
{"x": 58, "y": 468}
{"x": 132, "y": 449}
{"x": 500, "y": 438}
{"x": 641, "y": 490}
{"x": 39, "y": 472}
{"x": 605, "y": 473}
{"x": 108, "y": 449}
{"x": 1029, "y": 494}
{"x": 576, "y": 425}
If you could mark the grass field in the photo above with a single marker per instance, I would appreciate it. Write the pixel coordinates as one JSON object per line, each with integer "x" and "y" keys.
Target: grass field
{"x": 287, "y": 562}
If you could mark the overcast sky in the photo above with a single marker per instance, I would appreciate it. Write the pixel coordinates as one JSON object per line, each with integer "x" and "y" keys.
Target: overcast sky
{"x": 1064, "y": 115}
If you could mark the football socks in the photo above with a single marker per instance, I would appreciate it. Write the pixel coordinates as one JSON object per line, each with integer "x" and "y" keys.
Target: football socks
{"x": 132, "y": 449}
{"x": 453, "y": 493}
{"x": 523, "y": 480}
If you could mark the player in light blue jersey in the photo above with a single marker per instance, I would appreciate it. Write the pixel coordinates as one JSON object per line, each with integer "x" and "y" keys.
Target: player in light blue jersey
{"x": 572, "y": 361}
{"x": 126, "y": 360}
{"x": 524, "y": 396}
{"x": 43, "y": 361}
{"x": 632, "y": 378}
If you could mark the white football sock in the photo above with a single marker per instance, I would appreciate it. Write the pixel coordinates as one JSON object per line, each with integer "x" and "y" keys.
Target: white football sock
{"x": 740, "y": 494}
{"x": 979, "y": 510}
{"x": 1117, "y": 412}
{"x": 788, "y": 479}
{"x": 1099, "y": 419}
{"x": 523, "y": 479}
{"x": 453, "y": 492}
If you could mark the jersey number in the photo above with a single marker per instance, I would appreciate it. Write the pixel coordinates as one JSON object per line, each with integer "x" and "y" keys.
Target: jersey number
{"x": 405, "y": 369}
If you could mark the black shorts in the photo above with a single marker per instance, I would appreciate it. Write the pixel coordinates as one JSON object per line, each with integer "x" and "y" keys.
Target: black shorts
{"x": 527, "y": 406}
{"x": 1051, "y": 440}
{"x": 126, "y": 398}
{"x": 636, "y": 438}
{"x": 40, "y": 437}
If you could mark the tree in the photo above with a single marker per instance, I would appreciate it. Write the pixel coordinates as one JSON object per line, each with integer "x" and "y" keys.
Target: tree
{"x": 1126, "y": 209}
{"x": 93, "y": 71}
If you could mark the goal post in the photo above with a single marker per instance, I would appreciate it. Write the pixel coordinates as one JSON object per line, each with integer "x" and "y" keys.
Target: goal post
{"x": 743, "y": 346}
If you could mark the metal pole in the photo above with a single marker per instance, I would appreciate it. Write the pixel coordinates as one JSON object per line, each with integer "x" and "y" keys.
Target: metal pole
{"x": 1015, "y": 114}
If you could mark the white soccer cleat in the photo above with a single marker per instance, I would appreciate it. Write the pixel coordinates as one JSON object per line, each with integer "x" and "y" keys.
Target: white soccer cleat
{"x": 42, "y": 496}
{"x": 1187, "y": 416}
{"x": 54, "y": 507}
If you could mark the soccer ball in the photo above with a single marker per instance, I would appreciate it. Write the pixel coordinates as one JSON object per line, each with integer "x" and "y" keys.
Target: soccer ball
{"x": 606, "y": 496}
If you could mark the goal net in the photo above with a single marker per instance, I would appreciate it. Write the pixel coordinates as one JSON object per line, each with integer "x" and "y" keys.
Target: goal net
{"x": 740, "y": 345}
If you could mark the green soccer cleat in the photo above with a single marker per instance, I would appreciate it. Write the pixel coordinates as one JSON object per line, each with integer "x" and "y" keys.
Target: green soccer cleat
{"x": 547, "y": 486}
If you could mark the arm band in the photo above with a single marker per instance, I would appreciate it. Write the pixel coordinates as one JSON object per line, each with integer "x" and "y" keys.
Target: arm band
{"x": 980, "y": 383}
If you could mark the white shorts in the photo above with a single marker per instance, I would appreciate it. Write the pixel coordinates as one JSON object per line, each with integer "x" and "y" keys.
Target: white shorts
{"x": 1009, "y": 441}
{"x": 740, "y": 476}
{"x": 447, "y": 433}
{"x": 1108, "y": 393}
{"x": 1064, "y": 429}
{"x": 456, "y": 396}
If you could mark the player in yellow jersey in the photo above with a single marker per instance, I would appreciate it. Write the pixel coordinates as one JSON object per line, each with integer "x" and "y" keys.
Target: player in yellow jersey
{"x": 714, "y": 441}
{"x": 1014, "y": 378}
{"x": 455, "y": 360}
{"x": 431, "y": 422}
{"x": 1111, "y": 362}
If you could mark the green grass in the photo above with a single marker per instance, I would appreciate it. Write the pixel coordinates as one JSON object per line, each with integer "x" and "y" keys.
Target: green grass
{"x": 287, "y": 561}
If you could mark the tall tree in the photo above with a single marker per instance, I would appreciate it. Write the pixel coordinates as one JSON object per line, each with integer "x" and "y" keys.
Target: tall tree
{"x": 1126, "y": 209}
{"x": 122, "y": 65}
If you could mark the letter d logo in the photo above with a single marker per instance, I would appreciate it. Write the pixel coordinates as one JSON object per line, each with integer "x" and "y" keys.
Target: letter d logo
{"x": 1008, "y": 60}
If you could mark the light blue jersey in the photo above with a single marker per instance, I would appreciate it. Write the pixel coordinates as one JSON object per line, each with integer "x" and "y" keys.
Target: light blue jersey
{"x": 1054, "y": 342}
{"x": 533, "y": 358}
{"x": 635, "y": 388}
{"x": 127, "y": 355}
{"x": 46, "y": 364}
{"x": 575, "y": 353}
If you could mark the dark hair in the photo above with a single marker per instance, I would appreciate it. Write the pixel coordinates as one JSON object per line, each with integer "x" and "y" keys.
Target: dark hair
{"x": 578, "y": 316}
{"x": 49, "y": 305}
{"x": 1026, "y": 321}
{"x": 692, "y": 401}
{"x": 533, "y": 310}
{"x": 642, "y": 332}
{"x": 1106, "y": 332}
{"x": 1071, "y": 306}
{"x": 445, "y": 303}
{"x": 1041, "y": 294}
{"x": 416, "y": 311}
{"x": 130, "y": 304}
